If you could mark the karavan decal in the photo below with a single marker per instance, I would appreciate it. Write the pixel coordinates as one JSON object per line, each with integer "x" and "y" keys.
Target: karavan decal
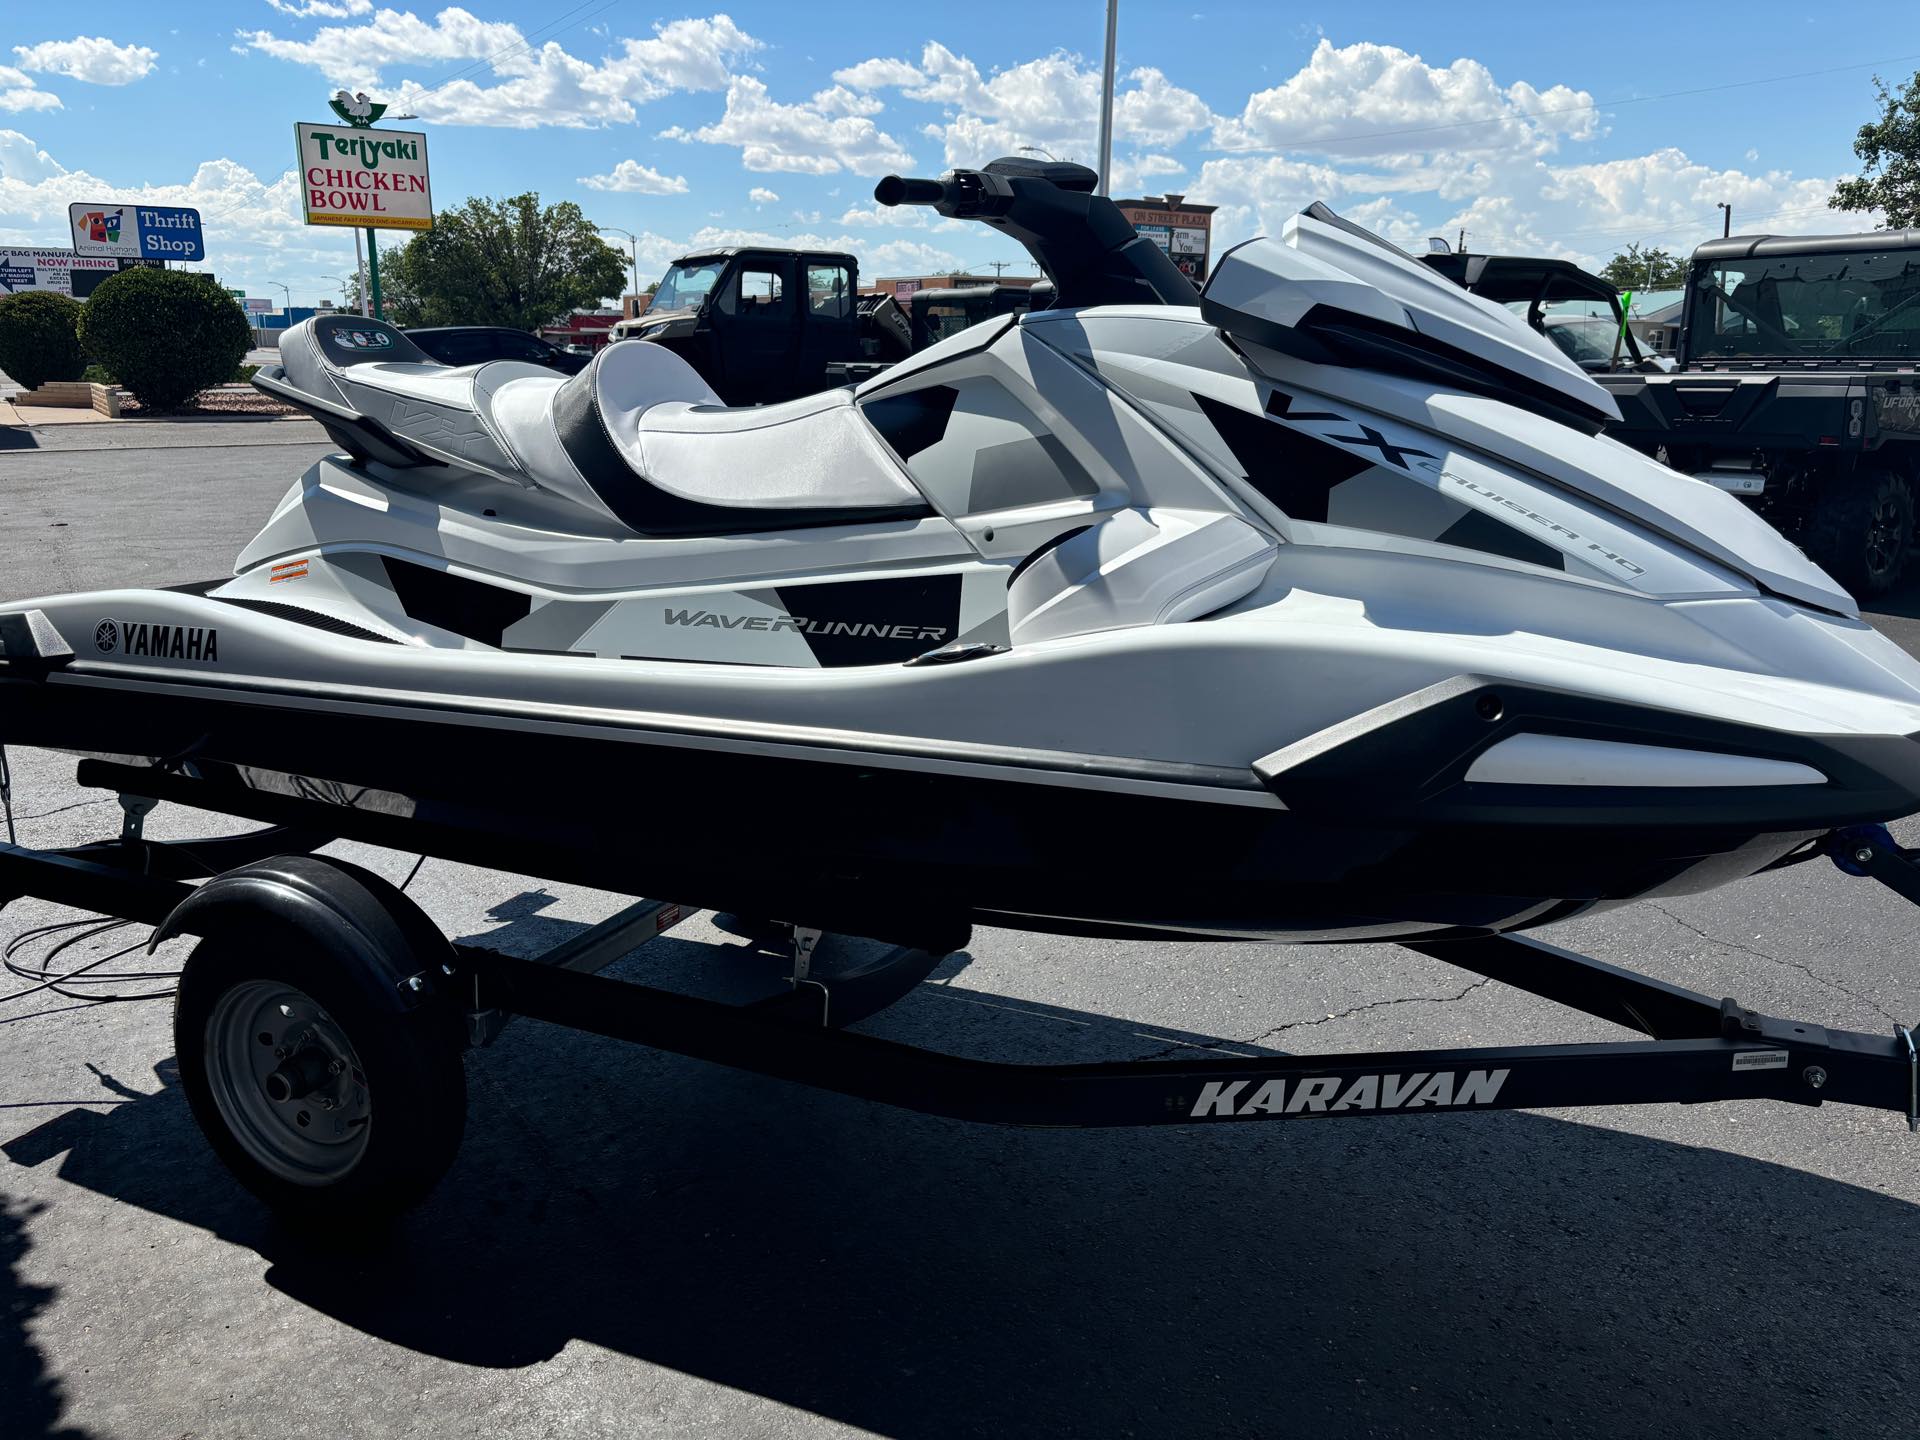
{"x": 1326, "y": 1094}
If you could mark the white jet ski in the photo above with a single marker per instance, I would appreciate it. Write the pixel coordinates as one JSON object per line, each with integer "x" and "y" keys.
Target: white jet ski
{"x": 1316, "y": 609}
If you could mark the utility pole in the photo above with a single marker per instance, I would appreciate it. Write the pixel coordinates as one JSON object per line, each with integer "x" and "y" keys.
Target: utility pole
{"x": 999, "y": 267}
{"x": 1461, "y": 248}
{"x": 1726, "y": 219}
{"x": 1106, "y": 98}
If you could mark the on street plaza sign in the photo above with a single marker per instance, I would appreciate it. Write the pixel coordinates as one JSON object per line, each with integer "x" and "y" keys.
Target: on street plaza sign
{"x": 372, "y": 178}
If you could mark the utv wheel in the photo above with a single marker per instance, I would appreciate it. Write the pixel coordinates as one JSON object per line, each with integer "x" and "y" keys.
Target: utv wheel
{"x": 329, "y": 1107}
{"x": 1861, "y": 530}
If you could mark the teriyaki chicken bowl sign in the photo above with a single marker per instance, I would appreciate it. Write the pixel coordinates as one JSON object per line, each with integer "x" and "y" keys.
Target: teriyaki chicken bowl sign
{"x": 370, "y": 178}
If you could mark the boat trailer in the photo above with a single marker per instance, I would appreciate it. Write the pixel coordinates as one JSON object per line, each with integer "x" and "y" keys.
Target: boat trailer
{"x": 393, "y": 993}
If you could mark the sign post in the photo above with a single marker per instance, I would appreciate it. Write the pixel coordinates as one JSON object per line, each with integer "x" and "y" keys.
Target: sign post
{"x": 357, "y": 176}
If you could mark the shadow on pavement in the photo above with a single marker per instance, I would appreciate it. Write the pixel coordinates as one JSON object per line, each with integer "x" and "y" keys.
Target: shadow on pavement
{"x": 30, "y": 1398}
{"x": 919, "y": 1277}
{"x": 17, "y": 437}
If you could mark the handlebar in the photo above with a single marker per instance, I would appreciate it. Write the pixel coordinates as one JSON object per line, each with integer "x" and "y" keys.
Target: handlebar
{"x": 899, "y": 190}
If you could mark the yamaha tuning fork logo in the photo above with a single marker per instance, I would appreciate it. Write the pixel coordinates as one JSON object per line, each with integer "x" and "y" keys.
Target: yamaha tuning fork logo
{"x": 158, "y": 642}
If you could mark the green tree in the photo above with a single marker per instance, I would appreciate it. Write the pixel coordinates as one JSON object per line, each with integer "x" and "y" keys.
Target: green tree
{"x": 500, "y": 262}
{"x": 1637, "y": 269}
{"x": 165, "y": 334}
{"x": 40, "y": 338}
{"x": 1889, "y": 151}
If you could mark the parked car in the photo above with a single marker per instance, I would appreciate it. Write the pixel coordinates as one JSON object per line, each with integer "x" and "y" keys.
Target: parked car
{"x": 476, "y": 344}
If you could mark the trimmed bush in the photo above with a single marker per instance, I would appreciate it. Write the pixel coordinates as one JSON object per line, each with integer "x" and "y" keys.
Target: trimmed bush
{"x": 40, "y": 338}
{"x": 167, "y": 334}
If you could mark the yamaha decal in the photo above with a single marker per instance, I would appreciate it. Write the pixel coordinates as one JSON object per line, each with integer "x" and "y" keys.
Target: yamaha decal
{"x": 158, "y": 642}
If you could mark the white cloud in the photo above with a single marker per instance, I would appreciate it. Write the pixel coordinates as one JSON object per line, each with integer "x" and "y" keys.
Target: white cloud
{"x": 24, "y": 162}
{"x": 760, "y": 195}
{"x": 92, "y": 58}
{"x": 805, "y": 139}
{"x": 535, "y": 85}
{"x": 1157, "y": 112}
{"x": 874, "y": 74}
{"x": 1366, "y": 99}
{"x": 1052, "y": 103}
{"x": 322, "y": 9}
{"x": 17, "y": 93}
{"x": 641, "y": 179}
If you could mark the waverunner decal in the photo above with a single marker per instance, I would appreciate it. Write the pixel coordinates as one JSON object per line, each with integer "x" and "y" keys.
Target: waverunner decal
{"x": 159, "y": 642}
{"x": 866, "y": 628}
{"x": 1316, "y": 1095}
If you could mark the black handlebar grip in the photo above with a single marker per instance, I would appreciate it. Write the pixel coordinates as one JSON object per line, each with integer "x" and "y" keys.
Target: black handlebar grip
{"x": 898, "y": 190}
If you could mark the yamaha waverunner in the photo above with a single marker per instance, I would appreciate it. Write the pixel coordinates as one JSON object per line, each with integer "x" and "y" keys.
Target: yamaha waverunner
{"x": 1319, "y": 609}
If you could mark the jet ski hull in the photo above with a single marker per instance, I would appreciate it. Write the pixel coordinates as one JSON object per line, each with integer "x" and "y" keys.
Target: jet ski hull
{"x": 886, "y": 845}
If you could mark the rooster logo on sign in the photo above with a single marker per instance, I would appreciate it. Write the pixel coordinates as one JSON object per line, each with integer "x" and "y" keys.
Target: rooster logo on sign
{"x": 357, "y": 110}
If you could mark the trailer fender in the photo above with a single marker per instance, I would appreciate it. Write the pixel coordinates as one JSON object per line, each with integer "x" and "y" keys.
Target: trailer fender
{"x": 361, "y": 922}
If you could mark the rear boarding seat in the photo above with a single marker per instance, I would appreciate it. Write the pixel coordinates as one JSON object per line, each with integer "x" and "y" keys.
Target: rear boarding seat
{"x": 637, "y": 435}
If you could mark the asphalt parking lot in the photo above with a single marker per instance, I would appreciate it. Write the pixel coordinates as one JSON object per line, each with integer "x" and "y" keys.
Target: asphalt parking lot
{"x": 636, "y": 1243}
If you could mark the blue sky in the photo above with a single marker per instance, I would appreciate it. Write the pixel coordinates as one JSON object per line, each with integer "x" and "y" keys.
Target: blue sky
{"x": 1522, "y": 124}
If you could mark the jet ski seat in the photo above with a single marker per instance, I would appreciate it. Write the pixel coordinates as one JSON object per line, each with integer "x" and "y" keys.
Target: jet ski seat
{"x": 656, "y": 446}
{"x": 637, "y": 436}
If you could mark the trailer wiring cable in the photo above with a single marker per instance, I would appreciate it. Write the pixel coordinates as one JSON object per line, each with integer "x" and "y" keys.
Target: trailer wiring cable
{"x": 77, "y": 932}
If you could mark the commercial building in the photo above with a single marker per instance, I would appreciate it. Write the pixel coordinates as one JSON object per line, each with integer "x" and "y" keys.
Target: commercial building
{"x": 591, "y": 328}
{"x": 1184, "y": 231}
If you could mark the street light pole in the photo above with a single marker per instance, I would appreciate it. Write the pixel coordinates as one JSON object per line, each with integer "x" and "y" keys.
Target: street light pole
{"x": 1726, "y": 219}
{"x": 360, "y": 269}
{"x": 1106, "y": 98}
{"x": 634, "y": 242}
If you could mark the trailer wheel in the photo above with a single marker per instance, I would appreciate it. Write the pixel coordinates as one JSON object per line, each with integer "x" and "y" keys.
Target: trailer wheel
{"x": 1860, "y": 530}
{"x": 330, "y": 1107}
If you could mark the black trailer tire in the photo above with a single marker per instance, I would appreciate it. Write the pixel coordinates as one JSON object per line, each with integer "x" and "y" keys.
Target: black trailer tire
{"x": 1860, "y": 530}
{"x": 328, "y": 1157}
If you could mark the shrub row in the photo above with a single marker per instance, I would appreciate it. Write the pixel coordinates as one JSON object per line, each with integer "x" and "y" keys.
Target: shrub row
{"x": 164, "y": 334}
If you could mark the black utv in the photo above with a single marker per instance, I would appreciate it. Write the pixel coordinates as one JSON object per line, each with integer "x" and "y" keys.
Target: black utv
{"x": 764, "y": 324}
{"x": 1798, "y": 389}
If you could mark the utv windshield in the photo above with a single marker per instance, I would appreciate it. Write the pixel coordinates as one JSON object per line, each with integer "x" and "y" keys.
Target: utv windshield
{"x": 1857, "y": 304}
{"x": 687, "y": 285}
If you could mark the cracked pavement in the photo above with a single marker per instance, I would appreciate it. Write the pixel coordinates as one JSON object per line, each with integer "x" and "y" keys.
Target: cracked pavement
{"x": 632, "y": 1242}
